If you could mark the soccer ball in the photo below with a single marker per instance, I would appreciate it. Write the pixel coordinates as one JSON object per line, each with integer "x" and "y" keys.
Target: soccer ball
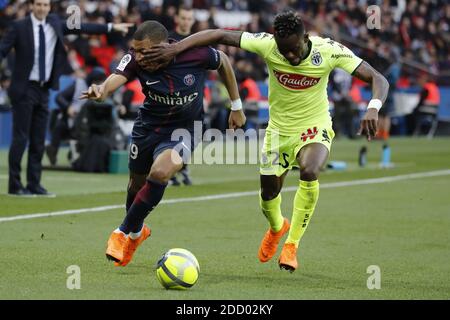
{"x": 177, "y": 269}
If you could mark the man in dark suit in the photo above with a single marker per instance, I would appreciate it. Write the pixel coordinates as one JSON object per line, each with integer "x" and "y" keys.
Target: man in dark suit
{"x": 184, "y": 20}
{"x": 40, "y": 59}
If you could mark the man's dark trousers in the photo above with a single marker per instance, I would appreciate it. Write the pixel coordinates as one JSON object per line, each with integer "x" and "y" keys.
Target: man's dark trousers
{"x": 30, "y": 117}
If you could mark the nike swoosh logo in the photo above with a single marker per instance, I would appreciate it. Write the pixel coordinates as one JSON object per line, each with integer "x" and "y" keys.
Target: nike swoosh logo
{"x": 153, "y": 82}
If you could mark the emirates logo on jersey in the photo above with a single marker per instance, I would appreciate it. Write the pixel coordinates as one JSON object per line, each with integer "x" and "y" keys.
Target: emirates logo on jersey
{"x": 295, "y": 81}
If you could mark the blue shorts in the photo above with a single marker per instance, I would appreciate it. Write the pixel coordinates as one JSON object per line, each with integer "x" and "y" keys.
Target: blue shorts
{"x": 146, "y": 145}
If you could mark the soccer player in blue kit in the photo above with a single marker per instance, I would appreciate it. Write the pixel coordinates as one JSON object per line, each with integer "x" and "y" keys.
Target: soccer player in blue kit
{"x": 174, "y": 100}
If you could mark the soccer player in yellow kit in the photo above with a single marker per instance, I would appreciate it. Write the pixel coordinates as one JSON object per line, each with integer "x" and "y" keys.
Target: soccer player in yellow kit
{"x": 300, "y": 131}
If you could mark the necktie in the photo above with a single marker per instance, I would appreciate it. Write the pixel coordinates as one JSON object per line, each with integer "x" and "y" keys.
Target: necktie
{"x": 41, "y": 53}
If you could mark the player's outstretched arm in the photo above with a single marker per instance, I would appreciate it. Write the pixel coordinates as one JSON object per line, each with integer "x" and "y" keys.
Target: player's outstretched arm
{"x": 101, "y": 92}
{"x": 237, "y": 118}
{"x": 96, "y": 28}
{"x": 164, "y": 53}
{"x": 380, "y": 88}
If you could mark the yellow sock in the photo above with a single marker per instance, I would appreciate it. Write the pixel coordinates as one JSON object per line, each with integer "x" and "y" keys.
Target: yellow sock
{"x": 304, "y": 203}
{"x": 272, "y": 210}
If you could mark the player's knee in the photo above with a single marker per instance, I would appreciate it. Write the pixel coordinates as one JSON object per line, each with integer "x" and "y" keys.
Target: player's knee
{"x": 269, "y": 193}
{"x": 160, "y": 175}
{"x": 309, "y": 172}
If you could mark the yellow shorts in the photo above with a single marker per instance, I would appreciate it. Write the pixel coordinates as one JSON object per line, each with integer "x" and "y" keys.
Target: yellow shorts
{"x": 279, "y": 152}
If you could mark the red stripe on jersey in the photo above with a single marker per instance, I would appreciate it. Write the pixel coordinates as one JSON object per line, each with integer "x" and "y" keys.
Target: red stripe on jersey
{"x": 171, "y": 85}
{"x": 171, "y": 91}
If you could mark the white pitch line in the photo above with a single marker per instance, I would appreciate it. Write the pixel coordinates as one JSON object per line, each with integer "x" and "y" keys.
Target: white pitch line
{"x": 236, "y": 194}
{"x": 64, "y": 178}
{"x": 60, "y": 213}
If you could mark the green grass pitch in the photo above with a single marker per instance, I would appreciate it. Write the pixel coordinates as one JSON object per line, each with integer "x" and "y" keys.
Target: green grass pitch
{"x": 401, "y": 226}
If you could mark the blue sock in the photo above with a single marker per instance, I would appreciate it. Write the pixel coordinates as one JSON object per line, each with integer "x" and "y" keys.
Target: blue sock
{"x": 145, "y": 201}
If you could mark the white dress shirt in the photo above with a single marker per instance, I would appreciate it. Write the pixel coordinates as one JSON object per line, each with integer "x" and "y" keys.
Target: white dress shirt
{"x": 50, "y": 44}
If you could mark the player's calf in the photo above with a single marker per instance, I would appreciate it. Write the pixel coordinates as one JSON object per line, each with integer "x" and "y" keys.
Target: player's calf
{"x": 136, "y": 182}
{"x": 145, "y": 201}
{"x": 151, "y": 193}
{"x": 268, "y": 194}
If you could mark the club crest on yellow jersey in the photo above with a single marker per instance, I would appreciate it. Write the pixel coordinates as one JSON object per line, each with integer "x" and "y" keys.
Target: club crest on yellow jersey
{"x": 316, "y": 58}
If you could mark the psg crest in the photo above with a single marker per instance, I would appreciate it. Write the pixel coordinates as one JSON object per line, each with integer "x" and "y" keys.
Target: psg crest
{"x": 316, "y": 59}
{"x": 189, "y": 79}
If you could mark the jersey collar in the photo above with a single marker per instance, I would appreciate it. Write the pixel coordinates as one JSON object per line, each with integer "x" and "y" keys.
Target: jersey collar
{"x": 309, "y": 51}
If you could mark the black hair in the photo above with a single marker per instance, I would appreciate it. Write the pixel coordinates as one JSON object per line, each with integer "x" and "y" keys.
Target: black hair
{"x": 288, "y": 23}
{"x": 183, "y": 7}
{"x": 152, "y": 30}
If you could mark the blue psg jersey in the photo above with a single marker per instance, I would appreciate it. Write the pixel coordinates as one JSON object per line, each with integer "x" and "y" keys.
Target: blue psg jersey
{"x": 174, "y": 94}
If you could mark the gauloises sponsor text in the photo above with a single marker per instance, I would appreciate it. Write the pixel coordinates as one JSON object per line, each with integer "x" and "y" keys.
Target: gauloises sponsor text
{"x": 295, "y": 81}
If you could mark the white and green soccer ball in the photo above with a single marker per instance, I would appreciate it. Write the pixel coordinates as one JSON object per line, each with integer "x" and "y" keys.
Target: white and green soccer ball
{"x": 177, "y": 269}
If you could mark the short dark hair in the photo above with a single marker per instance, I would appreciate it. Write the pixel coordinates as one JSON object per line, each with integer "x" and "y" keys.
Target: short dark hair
{"x": 288, "y": 23}
{"x": 152, "y": 30}
{"x": 183, "y": 7}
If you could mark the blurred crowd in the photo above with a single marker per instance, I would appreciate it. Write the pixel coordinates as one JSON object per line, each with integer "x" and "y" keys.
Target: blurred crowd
{"x": 416, "y": 31}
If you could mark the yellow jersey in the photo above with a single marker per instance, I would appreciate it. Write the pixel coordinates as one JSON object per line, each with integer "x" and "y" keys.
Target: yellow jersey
{"x": 298, "y": 94}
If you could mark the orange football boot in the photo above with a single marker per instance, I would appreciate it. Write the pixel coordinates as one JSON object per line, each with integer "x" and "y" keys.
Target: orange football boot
{"x": 269, "y": 243}
{"x": 288, "y": 257}
{"x": 116, "y": 245}
{"x": 131, "y": 246}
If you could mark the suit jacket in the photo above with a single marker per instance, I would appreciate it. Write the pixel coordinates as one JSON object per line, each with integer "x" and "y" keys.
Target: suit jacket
{"x": 20, "y": 37}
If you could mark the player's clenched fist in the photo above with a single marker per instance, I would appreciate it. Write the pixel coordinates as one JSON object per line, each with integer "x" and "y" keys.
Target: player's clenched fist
{"x": 94, "y": 92}
{"x": 236, "y": 120}
{"x": 368, "y": 126}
